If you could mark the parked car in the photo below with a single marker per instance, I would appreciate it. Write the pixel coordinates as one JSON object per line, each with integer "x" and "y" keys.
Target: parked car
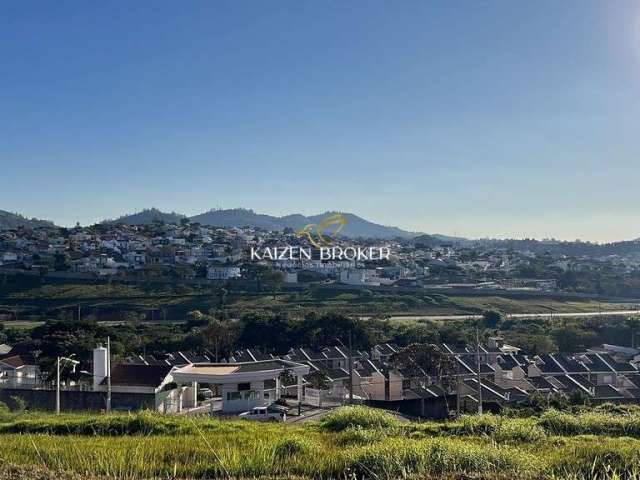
{"x": 270, "y": 413}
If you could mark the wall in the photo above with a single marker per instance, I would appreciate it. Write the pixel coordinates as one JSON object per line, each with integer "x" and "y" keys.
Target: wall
{"x": 436, "y": 408}
{"x": 245, "y": 402}
{"x": 79, "y": 400}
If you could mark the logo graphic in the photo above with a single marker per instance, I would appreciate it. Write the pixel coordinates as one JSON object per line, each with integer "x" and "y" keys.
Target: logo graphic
{"x": 317, "y": 234}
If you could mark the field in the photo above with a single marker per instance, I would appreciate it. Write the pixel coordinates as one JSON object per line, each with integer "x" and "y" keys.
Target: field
{"x": 171, "y": 303}
{"x": 353, "y": 442}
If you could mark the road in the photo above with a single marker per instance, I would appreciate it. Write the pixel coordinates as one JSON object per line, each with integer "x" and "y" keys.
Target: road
{"x": 602, "y": 313}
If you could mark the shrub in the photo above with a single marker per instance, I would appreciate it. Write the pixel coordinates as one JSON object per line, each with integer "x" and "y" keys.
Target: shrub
{"x": 17, "y": 404}
{"x": 618, "y": 408}
{"x": 359, "y": 436}
{"x": 357, "y": 416}
{"x": 290, "y": 446}
{"x": 498, "y": 428}
{"x": 598, "y": 458}
{"x": 441, "y": 457}
{"x": 143, "y": 423}
{"x": 590, "y": 423}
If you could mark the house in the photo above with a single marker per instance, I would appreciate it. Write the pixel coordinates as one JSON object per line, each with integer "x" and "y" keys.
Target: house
{"x": 140, "y": 386}
{"x": 384, "y": 351}
{"x": 369, "y": 380}
{"x": 249, "y": 355}
{"x": 360, "y": 276}
{"x": 244, "y": 385}
{"x": 223, "y": 273}
{"x": 18, "y": 369}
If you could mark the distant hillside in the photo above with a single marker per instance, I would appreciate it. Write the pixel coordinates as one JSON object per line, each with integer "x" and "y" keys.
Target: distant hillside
{"x": 147, "y": 217}
{"x": 562, "y": 248}
{"x": 13, "y": 220}
{"x": 240, "y": 217}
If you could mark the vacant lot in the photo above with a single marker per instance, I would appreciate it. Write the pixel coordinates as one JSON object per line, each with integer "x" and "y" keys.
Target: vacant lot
{"x": 350, "y": 443}
{"x": 166, "y": 303}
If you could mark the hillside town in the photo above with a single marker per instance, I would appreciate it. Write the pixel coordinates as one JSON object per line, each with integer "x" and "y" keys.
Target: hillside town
{"x": 195, "y": 253}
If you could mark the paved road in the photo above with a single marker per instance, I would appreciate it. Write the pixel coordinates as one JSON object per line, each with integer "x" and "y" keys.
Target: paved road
{"x": 313, "y": 414}
{"x": 603, "y": 313}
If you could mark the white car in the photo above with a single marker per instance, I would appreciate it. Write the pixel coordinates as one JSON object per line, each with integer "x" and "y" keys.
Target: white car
{"x": 265, "y": 414}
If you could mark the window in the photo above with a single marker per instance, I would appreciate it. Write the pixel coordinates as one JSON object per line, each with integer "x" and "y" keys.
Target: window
{"x": 267, "y": 396}
{"x": 243, "y": 387}
{"x": 251, "y": 395}
{"x": 233, "y": 396}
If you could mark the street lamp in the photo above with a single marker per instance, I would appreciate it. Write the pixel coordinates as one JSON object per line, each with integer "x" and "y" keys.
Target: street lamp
{"x": 350, "y": 366}
{"x": 74, "y": 363}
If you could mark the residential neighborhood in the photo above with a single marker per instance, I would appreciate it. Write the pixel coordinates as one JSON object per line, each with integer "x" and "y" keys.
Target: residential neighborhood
{"x": 327, "y": 377}
{"x": 193, "y": 253}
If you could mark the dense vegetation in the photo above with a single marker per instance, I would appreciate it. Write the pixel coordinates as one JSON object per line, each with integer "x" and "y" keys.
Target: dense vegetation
{"x": 277, "y": 332}
{"x": 353, "y": 442}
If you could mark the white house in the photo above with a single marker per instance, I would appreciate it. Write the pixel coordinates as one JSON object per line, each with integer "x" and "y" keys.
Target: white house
{"x": 17, "y": 370}
{"x": 223, "y": 273}
{"x": 134, "y": 385}
{"x": 244, "y": 385}
{"x": 359, "y": 276}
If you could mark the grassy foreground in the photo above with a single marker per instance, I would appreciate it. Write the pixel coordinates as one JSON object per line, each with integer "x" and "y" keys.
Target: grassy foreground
{"x": 353, "y": 442}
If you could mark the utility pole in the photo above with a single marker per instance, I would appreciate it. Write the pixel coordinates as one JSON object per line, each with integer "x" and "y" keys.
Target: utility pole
{"x": 108, "y": 374}
{"x": 58, "y": 386}
{"x": 350, "y": 369}
{"x": 458, "y": 399}
{"x": 478, "y": 368}
{"x": 79, "y": 313}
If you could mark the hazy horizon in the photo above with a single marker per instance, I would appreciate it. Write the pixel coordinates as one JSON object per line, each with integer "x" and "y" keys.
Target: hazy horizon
{"x": 494, "y": 119}
{"x": 313, "y": 213}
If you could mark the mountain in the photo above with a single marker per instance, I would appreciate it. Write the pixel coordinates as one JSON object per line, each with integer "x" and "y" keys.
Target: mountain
{"x": 148, "y": 216}
{"x": 13, "y": 220}
{"x": 240, "y": 217}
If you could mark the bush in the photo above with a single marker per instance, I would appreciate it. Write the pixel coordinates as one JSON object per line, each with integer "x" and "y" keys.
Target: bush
{"x": 143, "y": 423}
{"x": 17, "y": 404}
{"x": 359, "y": 436}
{"x": 357, "y": 416}
{"x": 618, "y": 408}
{"x": 291, "y": 446}
{"x": 597, "y": 458}
{"x": 442, "y": 457}
{"x": 590, "y": 423}
{"x": 498, "y": 428}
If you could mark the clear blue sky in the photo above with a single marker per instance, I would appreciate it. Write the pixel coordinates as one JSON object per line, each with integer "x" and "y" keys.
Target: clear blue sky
{"x": 493, "y": 118}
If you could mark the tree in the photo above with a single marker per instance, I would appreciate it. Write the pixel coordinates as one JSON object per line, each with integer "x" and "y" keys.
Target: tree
{"x": 221, "y": 335}
{"x": 272, "y": 280}
{"x": 491, "y": 318}
{"x": 429, "y": 358}
{"x": 318, "y": 380}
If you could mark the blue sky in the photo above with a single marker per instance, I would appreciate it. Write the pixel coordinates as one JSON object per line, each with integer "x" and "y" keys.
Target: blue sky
{"x": 491, "y": 118}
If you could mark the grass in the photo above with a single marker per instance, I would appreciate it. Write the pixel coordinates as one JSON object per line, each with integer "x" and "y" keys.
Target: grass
{"x": 413, "y": 304}
{"x": 353, "y": 442}
{"x": 591, "y": 423}
{"x": 358, "y": 417}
